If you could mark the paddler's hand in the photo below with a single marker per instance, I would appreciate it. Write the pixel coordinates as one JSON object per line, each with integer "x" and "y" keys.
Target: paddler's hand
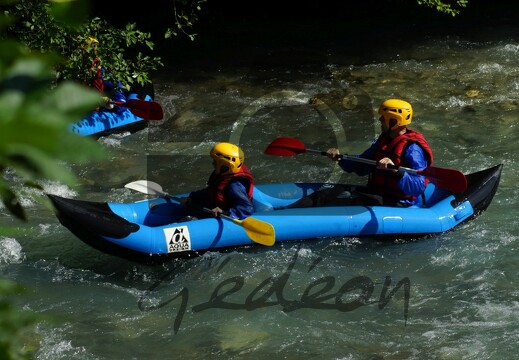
{"x": 385, "y": 164}
{"x": 217, "y": 211}
{"x": 107, "y": 103}
{"x": 333, "y": 154}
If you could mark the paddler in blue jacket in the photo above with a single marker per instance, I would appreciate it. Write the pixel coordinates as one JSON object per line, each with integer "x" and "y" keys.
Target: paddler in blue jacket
{"x": 397, "y": 145}
{"x": 230, "y": 186}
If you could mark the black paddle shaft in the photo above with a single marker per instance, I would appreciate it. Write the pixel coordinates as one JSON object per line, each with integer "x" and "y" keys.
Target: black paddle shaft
{"x": 366, "y": 161}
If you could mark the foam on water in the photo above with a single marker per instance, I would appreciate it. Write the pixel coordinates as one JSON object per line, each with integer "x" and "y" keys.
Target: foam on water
{"x": 54, "y": 345}
{"x": 11, "y": 251}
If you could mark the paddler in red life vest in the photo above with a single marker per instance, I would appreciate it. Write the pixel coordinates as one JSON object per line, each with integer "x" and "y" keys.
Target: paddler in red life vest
{"x": 230, "y": 186}
{"x": 397, "y": 145}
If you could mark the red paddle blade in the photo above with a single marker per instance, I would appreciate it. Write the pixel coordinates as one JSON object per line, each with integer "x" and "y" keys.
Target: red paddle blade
{"x": 148, "y": 110}
{"x": 448, "y": 179}
{"x": 285, "y": 146}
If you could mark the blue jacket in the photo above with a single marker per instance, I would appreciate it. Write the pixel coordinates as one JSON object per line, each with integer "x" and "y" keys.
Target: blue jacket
{"x": 236, "y": 193}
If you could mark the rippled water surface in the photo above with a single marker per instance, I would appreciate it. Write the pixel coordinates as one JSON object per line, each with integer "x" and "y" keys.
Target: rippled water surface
{"x": 463, "y": 298}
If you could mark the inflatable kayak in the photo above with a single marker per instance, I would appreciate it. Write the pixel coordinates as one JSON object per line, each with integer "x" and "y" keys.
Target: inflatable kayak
{"x": 132, "y": 115}
{"x": 153, "y": 231}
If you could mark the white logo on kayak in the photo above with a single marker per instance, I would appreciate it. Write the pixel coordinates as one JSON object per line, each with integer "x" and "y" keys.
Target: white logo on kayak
{"x": 177, "y": 239}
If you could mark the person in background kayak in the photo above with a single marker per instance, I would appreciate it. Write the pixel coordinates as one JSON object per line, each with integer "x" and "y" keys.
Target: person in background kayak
{"x": 397, "y": 145}
{"x": 230, "y": 186}
{"x": 112, "y": 91}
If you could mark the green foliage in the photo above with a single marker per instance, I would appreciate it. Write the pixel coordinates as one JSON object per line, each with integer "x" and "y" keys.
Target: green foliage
{"x": 34, "y": 138}
{"x": 443, "y": 7}
{"x": 35, "y": 144}
{"x": 14, "y": 324}
{"x": 69, "y": 13}
{"x": 120, "y": 50}
{"x": 185, "y": 13}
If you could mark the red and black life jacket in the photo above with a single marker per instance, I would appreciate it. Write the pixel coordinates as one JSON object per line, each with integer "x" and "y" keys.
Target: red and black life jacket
{"x": 385, "y": 182}
{"x": 97, "y": 81}
{"x": 217, "y": 184}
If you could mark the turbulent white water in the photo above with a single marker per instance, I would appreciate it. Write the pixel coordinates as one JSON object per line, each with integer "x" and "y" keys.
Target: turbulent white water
{"x": 463, "y": 297}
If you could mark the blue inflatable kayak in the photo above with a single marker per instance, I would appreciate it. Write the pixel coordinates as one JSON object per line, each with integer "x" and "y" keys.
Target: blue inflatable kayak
{"x": 131, "y": 116}
{"x": 152, "y": 231}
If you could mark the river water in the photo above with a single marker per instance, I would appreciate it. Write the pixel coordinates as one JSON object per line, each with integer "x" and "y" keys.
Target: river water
{"x": 463, "y": 292}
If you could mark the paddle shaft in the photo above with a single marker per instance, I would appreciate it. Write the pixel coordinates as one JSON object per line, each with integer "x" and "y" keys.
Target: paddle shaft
{"x": 367, "y": 161}
{"x": 149, "y": 187}
{"x": 157, "y": 189}
{"x": 207, "y": 210}
{"x": 448, "y": 179}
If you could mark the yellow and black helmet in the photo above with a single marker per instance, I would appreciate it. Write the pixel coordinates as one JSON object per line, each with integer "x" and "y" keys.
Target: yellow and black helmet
{"x": 228, "y": 158}
{"x": 396, "y": 109}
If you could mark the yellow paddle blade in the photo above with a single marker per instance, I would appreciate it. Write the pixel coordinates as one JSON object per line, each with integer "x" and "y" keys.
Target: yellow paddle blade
{"x": 260, "y": 232}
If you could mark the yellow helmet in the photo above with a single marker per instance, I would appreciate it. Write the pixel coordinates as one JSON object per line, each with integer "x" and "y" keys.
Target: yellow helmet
{"x": 90, "y": 43}
{"x": 399, "y": 110}
{"x": 228, "y": 158}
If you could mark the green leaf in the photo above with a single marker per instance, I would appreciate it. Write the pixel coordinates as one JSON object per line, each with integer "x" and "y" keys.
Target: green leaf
{"x": 71, "y": 13}
{"x": 32, "y": 163}
{"x": 10, "y": 51}
{"x": 73, "y": 99}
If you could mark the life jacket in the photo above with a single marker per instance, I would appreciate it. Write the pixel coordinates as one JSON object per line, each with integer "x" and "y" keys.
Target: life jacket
{"x": 386, "y": 183}
{"x": 217, "y": 184}
{"x": 97, "y": 81}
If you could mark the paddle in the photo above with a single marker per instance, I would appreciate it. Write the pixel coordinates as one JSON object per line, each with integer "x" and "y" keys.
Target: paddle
{"x": 148, "y": 110}
{"x": 448, "y": 179}
{"x": 260, "y": 232}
